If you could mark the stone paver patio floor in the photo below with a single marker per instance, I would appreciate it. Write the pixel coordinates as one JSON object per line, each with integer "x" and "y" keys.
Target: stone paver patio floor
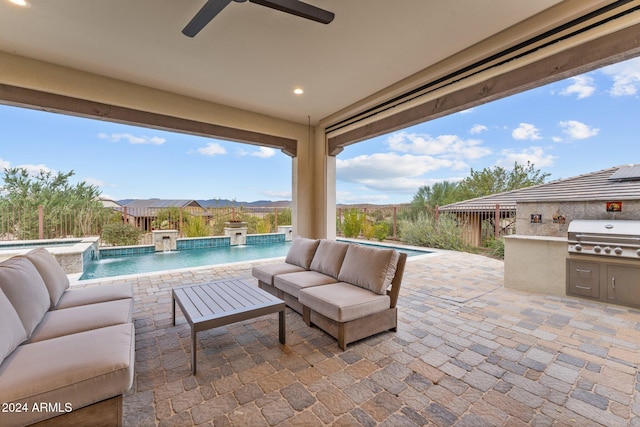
{"x": 468, "y": 352}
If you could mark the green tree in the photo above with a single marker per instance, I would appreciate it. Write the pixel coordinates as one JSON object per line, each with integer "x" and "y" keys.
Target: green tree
{"x": 440, "y": 194}
{"x": 352, "y": 222}
{"x": 498, "y": 180}
{"x": 69, "y": 209}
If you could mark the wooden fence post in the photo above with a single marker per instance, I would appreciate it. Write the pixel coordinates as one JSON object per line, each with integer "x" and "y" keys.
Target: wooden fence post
{"x": 275, "y": 215}
{"x": 40, "y": 222}
{"x": 395, "y": 221}
{"x": 181, "y": 221}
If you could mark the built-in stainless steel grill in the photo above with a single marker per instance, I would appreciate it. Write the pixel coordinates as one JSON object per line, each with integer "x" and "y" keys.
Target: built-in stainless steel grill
{"x": 612, "y": 238}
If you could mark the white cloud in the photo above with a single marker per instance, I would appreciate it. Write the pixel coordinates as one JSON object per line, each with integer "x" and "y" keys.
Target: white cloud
{"x": 526, "y": 131}
{"x": 478, "y": 129}
{"x": 132, "y": 139}
{"x": 582, "y": 86}
{"x": 263, "y": 152}
{"x": 578, "y": 130}
{"x": 4, "y": 164}
{"x": 212, "y": 149}
{"x": 391, "y": 171}
{"x": 347, "y": 197}
{"x": 467, "y": 111}
{"x": 34, "y": 170}
{"x": 535, "y": 155}
{"x": 626, "y": 77}
{"x": 445, "y": 146}
{"x": 94, "y": 181}
{"x": 277, "y": 194}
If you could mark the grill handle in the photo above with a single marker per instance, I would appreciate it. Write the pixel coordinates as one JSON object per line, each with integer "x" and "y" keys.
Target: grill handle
{"x": 598, "y": 237}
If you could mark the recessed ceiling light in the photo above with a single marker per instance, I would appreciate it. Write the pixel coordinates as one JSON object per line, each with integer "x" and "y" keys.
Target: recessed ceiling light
{"x": 298, "y": 91}
{"x": 22, "y": 3}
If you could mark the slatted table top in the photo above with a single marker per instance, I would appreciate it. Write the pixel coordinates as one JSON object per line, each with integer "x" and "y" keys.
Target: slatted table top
{"x": 224, "y": 302}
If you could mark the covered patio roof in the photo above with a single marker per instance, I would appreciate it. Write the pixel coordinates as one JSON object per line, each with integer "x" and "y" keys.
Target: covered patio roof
{"x": 373, "y": 70}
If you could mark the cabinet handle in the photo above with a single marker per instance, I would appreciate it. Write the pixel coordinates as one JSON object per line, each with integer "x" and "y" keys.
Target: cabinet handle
{"x": 583, "y": 287}
{"x": 613, "y": 282}
{"x": 581, "y": 270}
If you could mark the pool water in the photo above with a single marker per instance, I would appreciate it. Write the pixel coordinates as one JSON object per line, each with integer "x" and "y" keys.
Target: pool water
{"x": 160, "y": 261}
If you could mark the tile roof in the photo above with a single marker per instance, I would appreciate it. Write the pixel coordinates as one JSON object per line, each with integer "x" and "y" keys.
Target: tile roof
{"x": 590, "y": 186}
{"x": 162, "y": 203}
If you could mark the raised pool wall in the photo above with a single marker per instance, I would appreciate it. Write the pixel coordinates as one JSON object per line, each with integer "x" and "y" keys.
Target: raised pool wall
{"x": 72, "y": 254}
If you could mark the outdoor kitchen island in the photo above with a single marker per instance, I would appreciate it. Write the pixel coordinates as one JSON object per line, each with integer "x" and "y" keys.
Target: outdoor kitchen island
{"x": 592, "y": 261}
{"x": 604, "y": 260}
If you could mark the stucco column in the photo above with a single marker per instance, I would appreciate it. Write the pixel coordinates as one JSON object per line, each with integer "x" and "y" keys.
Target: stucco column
{"x": 314, "y": 187}
{"x": 330, "y": 197}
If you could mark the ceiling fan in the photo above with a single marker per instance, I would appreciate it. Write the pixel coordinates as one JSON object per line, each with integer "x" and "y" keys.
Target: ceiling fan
{"x": 212, "y": 7}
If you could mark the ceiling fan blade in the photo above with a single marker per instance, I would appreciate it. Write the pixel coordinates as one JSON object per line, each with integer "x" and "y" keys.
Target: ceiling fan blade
{"x": 210, "y": 9}
{"x": 298, "y": 8}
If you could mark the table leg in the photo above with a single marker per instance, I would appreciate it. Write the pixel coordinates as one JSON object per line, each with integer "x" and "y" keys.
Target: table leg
{"x": 173, "y": 310}
{"x": 283, "y": 327}
{"x": 193, "y": 350}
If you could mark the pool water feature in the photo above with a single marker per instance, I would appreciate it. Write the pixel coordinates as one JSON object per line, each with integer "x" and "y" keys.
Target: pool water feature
{"x": 171, "y": 260}
{"x": 72, "y": 254}
{"x": 188, "y": 258}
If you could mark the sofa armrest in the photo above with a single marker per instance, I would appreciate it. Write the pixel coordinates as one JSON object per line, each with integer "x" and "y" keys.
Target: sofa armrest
{"x": 394, "y": 292}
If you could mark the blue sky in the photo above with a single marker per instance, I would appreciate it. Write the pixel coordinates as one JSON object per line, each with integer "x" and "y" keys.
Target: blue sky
{"x": 579, "y": 125}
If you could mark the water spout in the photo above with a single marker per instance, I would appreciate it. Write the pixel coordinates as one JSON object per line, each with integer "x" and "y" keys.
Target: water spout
{"x": 166, "y": 244}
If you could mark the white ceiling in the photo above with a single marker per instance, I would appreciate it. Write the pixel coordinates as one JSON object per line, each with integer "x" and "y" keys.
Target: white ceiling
{"x": 252, "y": 57}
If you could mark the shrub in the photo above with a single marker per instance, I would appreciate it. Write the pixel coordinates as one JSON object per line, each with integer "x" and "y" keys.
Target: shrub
{"x": 120, "y": 234}
{"x": 352, "y": 223}
{"x": 496, "y": 247}
{"x": 380, "y": 231}
{"x": 367, "y": 230}
{"x": 197, "y": 227}
{"x": 263, "y": 226}
{"x": 444, "y": 233}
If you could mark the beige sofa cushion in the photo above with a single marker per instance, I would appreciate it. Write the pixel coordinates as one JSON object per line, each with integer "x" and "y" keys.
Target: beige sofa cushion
{"x": 76, "y": 296}
{"x": 12, "y": 332}
{"x": 266, "y": 273}
{"x": 369, "y": 267}
{"x": 343, "y": 302}
{"x": 329, "y": 256}
{"x": 292, "y": 283}
{"x": 52, "y": 273}
{"x": 301, "y": 252}
{"x": 24, "y": 287}
{"x": 58, "y": 323}
{"x": 79, "y": 369}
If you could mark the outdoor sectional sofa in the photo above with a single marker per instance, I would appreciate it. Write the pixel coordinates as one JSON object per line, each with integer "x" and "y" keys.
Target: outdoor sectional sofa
{"x": 340, "y": 287}
{"x": 66, "y": 354}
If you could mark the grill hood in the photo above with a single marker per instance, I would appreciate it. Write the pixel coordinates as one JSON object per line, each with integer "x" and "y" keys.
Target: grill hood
{"x": 617, "y": 238}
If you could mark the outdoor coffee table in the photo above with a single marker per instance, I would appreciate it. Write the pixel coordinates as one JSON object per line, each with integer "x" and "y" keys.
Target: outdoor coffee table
{"x": 214, "y": 304}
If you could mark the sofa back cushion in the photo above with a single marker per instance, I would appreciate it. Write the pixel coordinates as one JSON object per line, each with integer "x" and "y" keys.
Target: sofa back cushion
{"x": 12, "y": 333}
{"x": 301, "y": 252}
{"x": 329, "y": 256}
{"x": 25, "y": 289}
{"x": 370, "y": 268}
{"x": 52, "y": 273}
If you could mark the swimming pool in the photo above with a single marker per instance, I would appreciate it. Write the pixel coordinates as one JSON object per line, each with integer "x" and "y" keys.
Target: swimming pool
{"x": 160, "y": 261}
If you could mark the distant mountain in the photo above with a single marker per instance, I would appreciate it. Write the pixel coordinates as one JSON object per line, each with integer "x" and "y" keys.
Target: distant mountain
{"x": 219, "y": 203}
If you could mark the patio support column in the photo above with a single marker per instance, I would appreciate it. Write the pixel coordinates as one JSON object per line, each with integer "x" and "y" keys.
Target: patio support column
{"x": 314, "y": 187}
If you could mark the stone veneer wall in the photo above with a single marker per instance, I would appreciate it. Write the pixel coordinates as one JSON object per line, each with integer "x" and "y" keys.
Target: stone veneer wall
{"x": 551, "y": 223}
